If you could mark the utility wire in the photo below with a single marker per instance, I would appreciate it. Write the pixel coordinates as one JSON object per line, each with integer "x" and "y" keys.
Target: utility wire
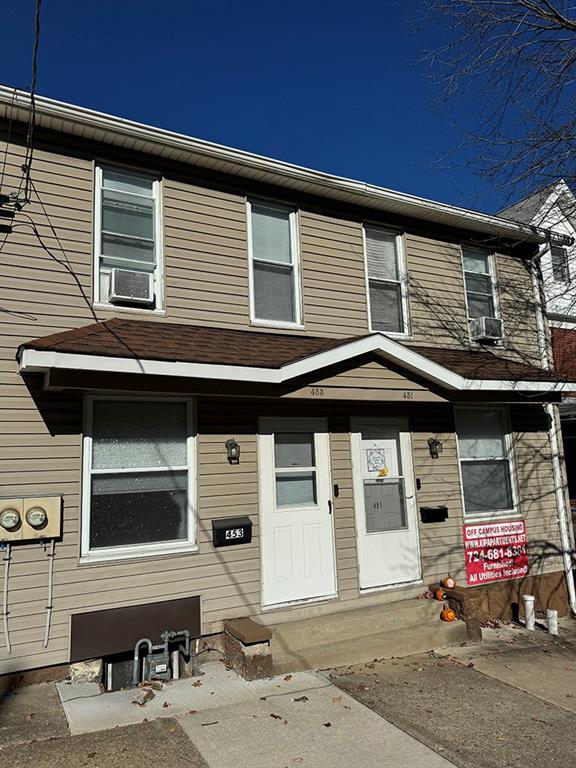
{"x": 26, "y": 180}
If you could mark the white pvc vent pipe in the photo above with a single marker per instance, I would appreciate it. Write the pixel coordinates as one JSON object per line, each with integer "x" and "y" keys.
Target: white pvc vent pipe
{"x": 552, "y": 621}
{"x": 529, "y": 612}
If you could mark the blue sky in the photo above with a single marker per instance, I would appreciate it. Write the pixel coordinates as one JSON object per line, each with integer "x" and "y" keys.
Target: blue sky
{"x": 337, "y": 86}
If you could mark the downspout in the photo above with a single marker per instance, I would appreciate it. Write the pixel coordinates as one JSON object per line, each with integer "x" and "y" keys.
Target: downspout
{"x": 553, "y": 433}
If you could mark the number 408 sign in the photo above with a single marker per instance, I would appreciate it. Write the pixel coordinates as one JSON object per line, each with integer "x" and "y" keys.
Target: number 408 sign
{"x": 495, "y": 551}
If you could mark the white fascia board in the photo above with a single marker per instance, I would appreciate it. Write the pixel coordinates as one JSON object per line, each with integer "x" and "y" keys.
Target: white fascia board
{"x": 32, "y": 360}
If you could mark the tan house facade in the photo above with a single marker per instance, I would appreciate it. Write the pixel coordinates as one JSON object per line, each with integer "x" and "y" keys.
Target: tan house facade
{"x": 345, "y": 381}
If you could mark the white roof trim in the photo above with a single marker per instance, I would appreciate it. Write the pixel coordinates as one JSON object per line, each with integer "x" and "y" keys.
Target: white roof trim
{"x": 32, "y": 360}
{"x": 93, "y": 125}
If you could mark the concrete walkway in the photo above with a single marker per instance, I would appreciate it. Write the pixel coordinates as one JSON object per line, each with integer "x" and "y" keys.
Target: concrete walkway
{"x": 299, "y": 719}
{"x": 508, "y": 703}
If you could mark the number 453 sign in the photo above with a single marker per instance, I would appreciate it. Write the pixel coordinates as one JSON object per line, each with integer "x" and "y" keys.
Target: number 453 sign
{"x": 495, "y": 552}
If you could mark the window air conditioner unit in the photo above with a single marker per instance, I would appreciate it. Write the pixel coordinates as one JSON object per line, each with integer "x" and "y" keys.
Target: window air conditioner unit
{"x": 486, "y": 329}
{"x": 128, "y": 286}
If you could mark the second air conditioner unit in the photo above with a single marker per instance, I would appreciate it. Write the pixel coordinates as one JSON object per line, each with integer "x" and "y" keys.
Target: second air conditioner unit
{"x": 129, "y": 286}
{"x": 486, "y": 329}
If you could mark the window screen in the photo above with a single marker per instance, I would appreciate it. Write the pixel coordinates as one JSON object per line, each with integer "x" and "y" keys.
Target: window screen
{"x": 484, "y": 460}
{"x": 384, "y": 280}
{"x": 273, "y": 264}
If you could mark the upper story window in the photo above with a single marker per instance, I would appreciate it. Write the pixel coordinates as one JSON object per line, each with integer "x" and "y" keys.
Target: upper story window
{"x": 138, "y": 484}
{"x": 127, "y": 239}
{"x": 480, "y": 283}
{"x": 275, "y": 296}
{"x": 560, "y": 269}
{"x": 483, "y": 446}
{"x": 387, "y": 303}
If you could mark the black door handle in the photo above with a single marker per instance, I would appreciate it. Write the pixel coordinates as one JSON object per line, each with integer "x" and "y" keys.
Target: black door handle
{"x": 329, "y": 506}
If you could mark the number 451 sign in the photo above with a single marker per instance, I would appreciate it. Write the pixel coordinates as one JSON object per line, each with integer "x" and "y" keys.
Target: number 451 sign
{"x": 495, "y": 552}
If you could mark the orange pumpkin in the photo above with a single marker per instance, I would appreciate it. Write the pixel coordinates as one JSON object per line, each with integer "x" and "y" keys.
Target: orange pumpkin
{"x": 448, "y": 615}
{"x": 448, "y": 582}
{"x": 440, "y": 595}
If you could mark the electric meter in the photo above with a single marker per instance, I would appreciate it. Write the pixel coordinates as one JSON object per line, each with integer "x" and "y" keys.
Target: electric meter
{"x": 10, "y": 519}
{"x": 36, "y": 517}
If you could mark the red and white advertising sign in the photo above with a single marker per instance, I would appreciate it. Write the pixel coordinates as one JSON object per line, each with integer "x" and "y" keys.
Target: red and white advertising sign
{"x": 495, "y": 551}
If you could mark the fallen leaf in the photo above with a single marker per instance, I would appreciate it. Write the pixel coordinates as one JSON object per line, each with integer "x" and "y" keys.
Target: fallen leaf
{"x": 214, "y": 723}
{"x": 262, "y": 698}
{"x": 192, "y": 711}
{"x": 327, "y": 725}
{"x": 91, "y": 754}
{"x": 166, "y": 704}
{"x": 276, "y": 717}
{"x": 197, "y": 683}
{"x": 337, "y": 700}
{"x": 287, "y": 677}
{"x": 30, "y": 716}
{"x": 300, "y": 698}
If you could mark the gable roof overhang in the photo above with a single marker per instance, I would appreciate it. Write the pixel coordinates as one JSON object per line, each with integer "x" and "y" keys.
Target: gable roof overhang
{"x": 91, "y": 125}
{"x": 263, "y": 358}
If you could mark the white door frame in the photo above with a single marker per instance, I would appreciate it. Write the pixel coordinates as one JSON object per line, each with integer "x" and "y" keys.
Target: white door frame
{"x": 406, "y": 458}
{"x": 267, "y": 426}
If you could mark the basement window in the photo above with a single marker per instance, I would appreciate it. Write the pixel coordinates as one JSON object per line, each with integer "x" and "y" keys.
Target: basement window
{"x": 138, "y": 478}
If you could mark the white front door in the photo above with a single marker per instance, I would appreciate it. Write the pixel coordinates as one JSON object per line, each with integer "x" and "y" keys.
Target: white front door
{"x": 295, "y": 511}
{"x": 385, "y": 504}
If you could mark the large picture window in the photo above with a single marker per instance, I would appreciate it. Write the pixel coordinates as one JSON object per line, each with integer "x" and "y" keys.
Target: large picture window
{"x": 386, "y": 280}
{"x": 127, "y": 233}
{"x": 138, "y": 480}
{"x": 275, "y": 295}
{"x": 484, "y": 461}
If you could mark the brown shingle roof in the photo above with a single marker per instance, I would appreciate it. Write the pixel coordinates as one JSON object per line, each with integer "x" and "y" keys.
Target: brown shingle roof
{"x": 176, "y": 342}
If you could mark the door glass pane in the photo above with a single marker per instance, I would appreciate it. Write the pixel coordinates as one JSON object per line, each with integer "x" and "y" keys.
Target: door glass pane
{"x": 295, "y": 489}
{"x": 139, "y": 434}
{"x": 271, "y": 234}
{"x": 486, "y": 486}
{"x": 274, "y": 293}
{"x": 381, "y": 254}
{"x": 480, "y": 433}
{"x": 137, "y": 508}
{"x": 386, "y": 306}
{"x": 294, "y": 450}
{"x": 384, "y": 505}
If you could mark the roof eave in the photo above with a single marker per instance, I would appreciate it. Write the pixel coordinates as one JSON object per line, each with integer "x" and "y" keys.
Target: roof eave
{"x": 90, "y": 124}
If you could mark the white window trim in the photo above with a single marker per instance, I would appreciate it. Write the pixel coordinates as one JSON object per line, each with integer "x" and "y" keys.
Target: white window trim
{"x": 295, "y": 251}
{"x": 158, "y": 242}
{"x": 502, "y": 513}
{"x": 403, "y": 280}
{"x": 137, "y": 550}
{"x": 493, "y": 280}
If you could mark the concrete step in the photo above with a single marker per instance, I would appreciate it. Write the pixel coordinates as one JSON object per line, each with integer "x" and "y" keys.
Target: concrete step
{"x": 405, "y": 641}
{"x": 351, "y": 625}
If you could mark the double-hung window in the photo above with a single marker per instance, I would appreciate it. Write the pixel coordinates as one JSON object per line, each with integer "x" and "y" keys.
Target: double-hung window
{"x": 275, "y": 295}
{"x": 560, "y": 269}
{"x": 485, "y": 461}
{"x": 138, "y": 477}
{"x": 480, "y": 283}
{"x": 386, "y": 280}
{"x": 127, "y": 235}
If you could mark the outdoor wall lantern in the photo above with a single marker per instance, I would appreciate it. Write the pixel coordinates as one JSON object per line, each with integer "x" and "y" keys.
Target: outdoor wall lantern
{"x": 435, "y": 447}
{"x": 233, "y": 451}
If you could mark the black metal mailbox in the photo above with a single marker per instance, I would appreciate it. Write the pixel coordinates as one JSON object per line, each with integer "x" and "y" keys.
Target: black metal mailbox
{"x": 433, "y": 514}
{"x": 231, "y": 531}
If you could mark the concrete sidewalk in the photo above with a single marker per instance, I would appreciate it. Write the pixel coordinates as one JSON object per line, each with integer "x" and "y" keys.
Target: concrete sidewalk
{"x": 507, "y": 703}
{"x": 294, "y": 719}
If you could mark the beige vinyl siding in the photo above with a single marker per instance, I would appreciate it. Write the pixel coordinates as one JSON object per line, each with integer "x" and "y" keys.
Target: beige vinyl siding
{"x": 517, "y": 309}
